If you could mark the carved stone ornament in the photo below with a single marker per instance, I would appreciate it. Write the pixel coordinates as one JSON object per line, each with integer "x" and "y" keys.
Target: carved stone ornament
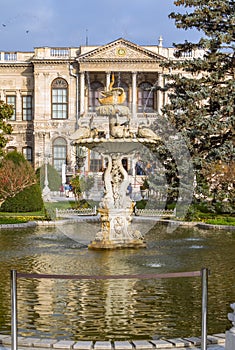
{"x": 121, "y": 51}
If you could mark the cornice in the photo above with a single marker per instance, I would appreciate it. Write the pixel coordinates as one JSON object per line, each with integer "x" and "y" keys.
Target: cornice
{"x": 116, "y": 60}
{"x": 15, "y": 64}
{"x": 51, "y": 61}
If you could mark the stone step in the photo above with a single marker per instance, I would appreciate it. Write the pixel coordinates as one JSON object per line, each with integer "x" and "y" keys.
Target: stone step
{"x": 215, "y": 342}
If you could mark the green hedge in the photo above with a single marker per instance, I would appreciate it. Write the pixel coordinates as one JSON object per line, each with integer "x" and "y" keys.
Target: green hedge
{"x": 28, "y": 200}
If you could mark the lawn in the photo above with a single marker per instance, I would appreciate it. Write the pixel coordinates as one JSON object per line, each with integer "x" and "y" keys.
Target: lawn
{"x": 18, "y": 218}
{"x": 50, "y": 207}
{"x": 47, "y": 214}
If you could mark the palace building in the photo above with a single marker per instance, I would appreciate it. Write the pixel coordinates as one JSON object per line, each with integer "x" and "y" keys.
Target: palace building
{"x": 52, "y": 88}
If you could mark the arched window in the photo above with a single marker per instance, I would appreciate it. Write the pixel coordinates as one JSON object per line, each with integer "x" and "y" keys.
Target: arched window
{"x": 59, "y": 153}
{"x": 59, "y": 99}
{"x": 145, "y": 97}
{"x": 94, "y": 93}
{"x": 11, "y": 149}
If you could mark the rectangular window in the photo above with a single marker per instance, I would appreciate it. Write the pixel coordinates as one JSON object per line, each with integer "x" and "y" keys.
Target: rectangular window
{"x": 59, "y": 104}
{"x": 27, "y": 152}
{"x": 11, "y": 100}
{"x": 96, "y": 165}
{"x": 27, "y": 108}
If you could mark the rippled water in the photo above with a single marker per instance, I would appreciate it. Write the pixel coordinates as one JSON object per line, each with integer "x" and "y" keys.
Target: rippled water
{"x": 116, "y": 309}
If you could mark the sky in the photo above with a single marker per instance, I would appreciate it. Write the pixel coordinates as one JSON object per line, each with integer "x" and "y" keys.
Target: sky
{"x": 26, "y": 24}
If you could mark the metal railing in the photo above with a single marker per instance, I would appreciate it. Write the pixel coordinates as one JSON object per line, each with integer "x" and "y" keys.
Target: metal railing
{"x": 204, "y": 273}
{"x": 74, "y": 212}
{"x": 155, "y": 212}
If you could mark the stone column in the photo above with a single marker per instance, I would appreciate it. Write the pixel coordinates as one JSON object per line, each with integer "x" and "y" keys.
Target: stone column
{"x": 165, "y": 94}
{"x": 134, "y": 94}
{"x": 230, "y": 335}
{"x": 108, "y": 74}
{"x": 160, "y": 94}
{"x": 18, "y": 112}
{"x": 82, "y": 93}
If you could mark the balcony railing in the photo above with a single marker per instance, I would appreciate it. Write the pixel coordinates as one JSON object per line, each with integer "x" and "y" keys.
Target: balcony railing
{"x": 59, "y": 52}
{"x": 10, "y": 56}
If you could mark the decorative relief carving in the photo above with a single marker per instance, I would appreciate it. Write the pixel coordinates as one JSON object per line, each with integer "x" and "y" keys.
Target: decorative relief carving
{"x": 128, "y": 66}
{"x": 121, "y": 51}
{"x": 124, "y": 52}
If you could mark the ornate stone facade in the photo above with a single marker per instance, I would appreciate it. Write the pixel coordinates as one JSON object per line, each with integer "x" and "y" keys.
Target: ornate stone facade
{"x": 53, "y": 88}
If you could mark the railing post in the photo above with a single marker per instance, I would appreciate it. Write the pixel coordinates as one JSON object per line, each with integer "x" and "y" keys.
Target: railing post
{"x": 14, "y": 310}
{"x": 204, "y": 275}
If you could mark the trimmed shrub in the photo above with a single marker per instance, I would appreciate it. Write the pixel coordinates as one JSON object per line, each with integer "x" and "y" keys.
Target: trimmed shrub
{"x": 28, "y": 200}
{"x": 16, "y": 157}
{"x": 141, "y": 204}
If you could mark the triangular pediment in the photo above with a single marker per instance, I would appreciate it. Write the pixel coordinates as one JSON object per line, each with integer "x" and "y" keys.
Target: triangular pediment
{"x": 120, "y": 49}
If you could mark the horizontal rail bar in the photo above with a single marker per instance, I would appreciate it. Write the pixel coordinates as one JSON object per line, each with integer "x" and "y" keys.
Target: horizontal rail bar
{"x": 107, "y": 277}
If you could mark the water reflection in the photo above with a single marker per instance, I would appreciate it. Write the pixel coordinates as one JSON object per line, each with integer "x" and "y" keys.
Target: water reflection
{"x": 116, "y": 309}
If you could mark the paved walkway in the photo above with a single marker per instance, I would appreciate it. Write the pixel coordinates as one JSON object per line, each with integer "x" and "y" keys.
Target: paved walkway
{"x": 215, "y": 342}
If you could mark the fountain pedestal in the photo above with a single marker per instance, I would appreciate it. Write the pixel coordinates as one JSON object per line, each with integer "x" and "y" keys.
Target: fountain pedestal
{"x": 116, "y": 207}
{"x": 116, "y": 231}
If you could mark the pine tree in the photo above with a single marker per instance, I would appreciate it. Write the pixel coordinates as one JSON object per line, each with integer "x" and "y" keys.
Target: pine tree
{"x": 202, "y": 99}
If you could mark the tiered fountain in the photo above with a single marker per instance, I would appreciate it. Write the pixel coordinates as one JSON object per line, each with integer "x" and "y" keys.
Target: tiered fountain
{"x": 121, "y": 138}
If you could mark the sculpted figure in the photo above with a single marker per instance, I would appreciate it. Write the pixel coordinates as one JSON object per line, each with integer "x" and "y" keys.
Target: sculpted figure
{"x": 119, "y": 131}
{"x": 146, "y": 133}
{"x": 125, "y": 201}
{"x": 108, "y": 199}
{"x": 83, "y": 132}
{"x": 113, "y": 95}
